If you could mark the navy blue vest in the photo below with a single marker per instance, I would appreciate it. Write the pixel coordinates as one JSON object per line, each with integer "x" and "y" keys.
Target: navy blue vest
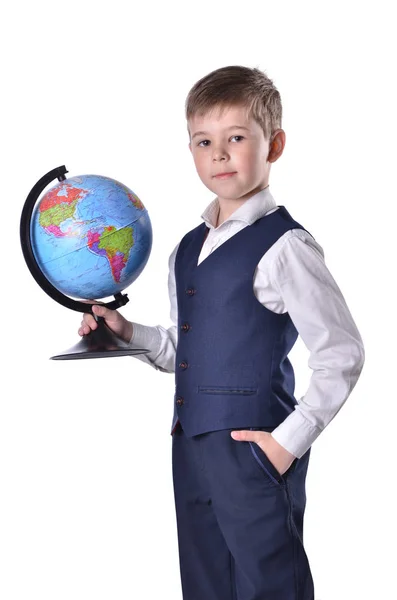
{"x": 231, "y": 366}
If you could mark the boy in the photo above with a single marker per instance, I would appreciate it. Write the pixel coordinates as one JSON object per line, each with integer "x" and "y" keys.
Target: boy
{"x": 242, "y": 285}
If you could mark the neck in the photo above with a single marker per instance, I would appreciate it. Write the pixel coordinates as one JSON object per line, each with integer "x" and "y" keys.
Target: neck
{"x": 228, "y": 206}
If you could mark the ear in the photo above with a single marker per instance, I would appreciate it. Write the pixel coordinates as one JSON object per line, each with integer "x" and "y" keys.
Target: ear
{"x": 190, "y": 146}
{"x": 276, "y": 145}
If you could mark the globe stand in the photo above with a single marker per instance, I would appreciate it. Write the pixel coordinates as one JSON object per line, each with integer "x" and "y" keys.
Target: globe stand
{"x": 100, "y": 342}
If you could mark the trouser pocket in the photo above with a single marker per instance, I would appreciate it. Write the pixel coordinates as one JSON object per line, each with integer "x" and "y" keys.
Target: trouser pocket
{"x": 265, "y": 463}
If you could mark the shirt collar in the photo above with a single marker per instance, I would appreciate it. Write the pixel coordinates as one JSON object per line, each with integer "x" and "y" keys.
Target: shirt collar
{"x": 253, "y": 209}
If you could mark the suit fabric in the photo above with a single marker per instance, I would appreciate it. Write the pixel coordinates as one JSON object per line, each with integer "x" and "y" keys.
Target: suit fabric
{"x": 240, "y": 523}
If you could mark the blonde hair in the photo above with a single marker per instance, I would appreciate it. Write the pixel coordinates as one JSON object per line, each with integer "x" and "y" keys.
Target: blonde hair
{"x": 237, "y": 86}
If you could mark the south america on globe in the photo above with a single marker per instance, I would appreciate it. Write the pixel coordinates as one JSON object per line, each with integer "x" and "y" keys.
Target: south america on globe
{"x": 91, "y": 236}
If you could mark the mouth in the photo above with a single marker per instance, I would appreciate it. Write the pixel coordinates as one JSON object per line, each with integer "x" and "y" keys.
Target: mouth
{"x": 225, "y": 175}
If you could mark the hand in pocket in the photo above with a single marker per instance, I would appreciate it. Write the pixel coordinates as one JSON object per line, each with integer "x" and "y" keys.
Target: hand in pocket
{"x": 278, "y": 456}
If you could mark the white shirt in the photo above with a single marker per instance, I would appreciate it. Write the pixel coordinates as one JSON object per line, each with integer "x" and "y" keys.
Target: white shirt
{"x": 290, "y": 277}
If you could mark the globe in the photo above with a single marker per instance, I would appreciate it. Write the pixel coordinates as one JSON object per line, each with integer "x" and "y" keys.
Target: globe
{"x": 88, "y": 237}
{"x": 91, "y": 236}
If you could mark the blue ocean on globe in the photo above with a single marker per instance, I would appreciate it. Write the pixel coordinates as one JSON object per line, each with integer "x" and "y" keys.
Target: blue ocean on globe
{"x": 91, "y": 236}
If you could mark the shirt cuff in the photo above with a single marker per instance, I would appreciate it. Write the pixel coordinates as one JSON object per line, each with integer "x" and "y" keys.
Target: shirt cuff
{"x": 296, "y": 434}
{"x": 147, "y": 337}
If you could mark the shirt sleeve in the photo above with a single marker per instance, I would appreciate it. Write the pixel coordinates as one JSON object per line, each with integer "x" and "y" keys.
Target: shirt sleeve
{"x": 160, "y": 341}
{"x": 323, "y": 320}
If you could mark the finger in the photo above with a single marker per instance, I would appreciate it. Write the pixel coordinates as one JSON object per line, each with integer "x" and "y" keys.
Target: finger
{"x": 92, "y": 302}
{"x": 89, "y": 321}
{"x": 247, "y": 436}
{"x": 108, "y": 314}
{"x": 101, "y": 311}
{"x": 84, "y": 330}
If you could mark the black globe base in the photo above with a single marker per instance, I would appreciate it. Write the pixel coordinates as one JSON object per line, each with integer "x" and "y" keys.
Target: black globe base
{"x": 99, "y": 343}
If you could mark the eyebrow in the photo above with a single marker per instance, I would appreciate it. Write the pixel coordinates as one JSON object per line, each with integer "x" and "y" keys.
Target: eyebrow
{"x": 231, "y": 127}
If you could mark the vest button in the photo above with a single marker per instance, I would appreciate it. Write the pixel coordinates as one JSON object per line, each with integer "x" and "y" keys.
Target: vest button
{"x": 190, "y": 291}
{"x": 183, "y": 364}
{"x": 179, "y": 400}
{"x": 185, "y": 327}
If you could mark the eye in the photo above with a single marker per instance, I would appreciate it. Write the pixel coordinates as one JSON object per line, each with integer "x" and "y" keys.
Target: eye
{"x": 233, "y": 136}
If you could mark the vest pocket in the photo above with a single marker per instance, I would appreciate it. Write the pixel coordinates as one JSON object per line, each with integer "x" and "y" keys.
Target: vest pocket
{"x": 221, "y": 389}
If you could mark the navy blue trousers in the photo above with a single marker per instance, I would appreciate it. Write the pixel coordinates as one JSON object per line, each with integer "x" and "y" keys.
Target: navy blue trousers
{"x": 239, "y": 523}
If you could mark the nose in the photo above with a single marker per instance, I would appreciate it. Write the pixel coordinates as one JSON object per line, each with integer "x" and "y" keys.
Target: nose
{"x": 219, "y": 153}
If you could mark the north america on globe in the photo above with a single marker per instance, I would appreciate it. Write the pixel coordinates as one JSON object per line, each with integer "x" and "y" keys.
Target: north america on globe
{"x": 91, "y": 236}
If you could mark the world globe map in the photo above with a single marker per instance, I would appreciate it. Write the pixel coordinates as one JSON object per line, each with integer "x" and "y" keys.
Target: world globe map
{"x": 91, "y": 236}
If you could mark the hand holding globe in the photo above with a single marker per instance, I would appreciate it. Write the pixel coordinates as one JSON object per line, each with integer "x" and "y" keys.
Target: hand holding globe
{"x": 113, "y": 319}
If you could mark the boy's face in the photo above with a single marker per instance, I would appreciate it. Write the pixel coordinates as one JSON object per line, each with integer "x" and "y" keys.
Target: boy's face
{"x": 225, "y": 147}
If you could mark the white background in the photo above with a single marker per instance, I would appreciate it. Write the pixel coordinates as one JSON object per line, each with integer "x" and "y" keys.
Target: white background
{"x": 86, "y": 499}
